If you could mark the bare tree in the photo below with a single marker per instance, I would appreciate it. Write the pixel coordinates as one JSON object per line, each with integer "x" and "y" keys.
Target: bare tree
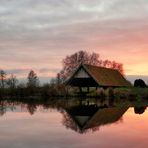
{"x": 12, "y": 82}
{"x": 71, "y": 62}
{"x": 33, "y": 80}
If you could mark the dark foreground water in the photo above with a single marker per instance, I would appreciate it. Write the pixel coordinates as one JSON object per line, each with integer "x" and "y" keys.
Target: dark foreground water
{"x": 72, "y": 124}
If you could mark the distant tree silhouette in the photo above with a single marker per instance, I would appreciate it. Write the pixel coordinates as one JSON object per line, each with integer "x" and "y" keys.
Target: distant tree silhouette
{"x": 33, "y": 80}
{"x": 12, "y": 85}
{"x": 33, "y": 83}
{"x": 71, "y": 62}
{"x": 12, "y": 82}
{"x": 2, "y": 78}
{"x": 139, "y": 83}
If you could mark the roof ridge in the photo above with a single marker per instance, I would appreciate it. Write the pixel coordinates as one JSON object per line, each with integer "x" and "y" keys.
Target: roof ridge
{"x": 100, "y": 67}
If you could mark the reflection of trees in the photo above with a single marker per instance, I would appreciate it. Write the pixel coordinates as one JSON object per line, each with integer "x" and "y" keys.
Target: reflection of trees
{"x": 140, "y": 110}
{"x": 31, "y": 107}
{"x": 2, "y": 108}
{"x": 81, "y": 116}
{"x": 4, "y": 105}
{"x": 69, "y": 123}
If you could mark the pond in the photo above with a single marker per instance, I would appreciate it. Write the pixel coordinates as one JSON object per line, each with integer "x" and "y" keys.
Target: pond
{"x": 72, "y": 124}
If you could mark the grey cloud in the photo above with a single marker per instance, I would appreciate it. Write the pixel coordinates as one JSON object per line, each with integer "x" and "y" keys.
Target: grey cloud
{"x": 33, "y": 18}
{"x": 34, "y": 32}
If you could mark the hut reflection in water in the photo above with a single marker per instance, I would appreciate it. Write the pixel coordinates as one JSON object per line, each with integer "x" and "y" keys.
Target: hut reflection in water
{"x": 83, "y": 118}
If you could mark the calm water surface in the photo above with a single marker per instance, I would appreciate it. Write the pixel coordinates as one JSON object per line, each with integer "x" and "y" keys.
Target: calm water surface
{"x": 71, "y": 124}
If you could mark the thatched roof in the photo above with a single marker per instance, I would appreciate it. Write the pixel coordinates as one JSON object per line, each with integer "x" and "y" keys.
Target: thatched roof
{"x": 103, "y": 76}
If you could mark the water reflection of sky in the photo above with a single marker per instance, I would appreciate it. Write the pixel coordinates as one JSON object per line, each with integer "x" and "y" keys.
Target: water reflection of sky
{"x": 45, "y": 129}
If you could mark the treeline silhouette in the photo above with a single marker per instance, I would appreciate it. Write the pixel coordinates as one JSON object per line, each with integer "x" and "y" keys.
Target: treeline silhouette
{"x": 11, "y": 87}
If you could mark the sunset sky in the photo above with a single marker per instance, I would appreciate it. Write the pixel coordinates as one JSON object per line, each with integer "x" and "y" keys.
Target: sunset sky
{"x": 36, "y": 34}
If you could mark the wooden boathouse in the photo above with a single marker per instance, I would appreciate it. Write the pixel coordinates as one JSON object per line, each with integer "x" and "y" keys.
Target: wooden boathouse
{"x": 93, "y": 76}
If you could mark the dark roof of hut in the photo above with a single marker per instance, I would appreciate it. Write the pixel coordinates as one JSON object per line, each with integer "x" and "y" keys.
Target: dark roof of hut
{"x": 103, "y": 76}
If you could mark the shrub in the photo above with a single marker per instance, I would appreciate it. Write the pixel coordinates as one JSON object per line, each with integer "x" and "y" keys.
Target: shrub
{"x": 139, "y": 83}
